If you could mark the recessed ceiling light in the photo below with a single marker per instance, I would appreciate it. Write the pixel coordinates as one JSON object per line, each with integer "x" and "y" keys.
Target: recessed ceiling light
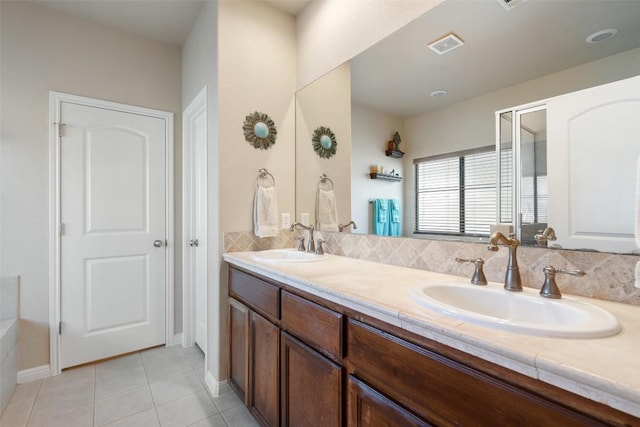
{"x": 600, "y": 36}
{"x": 438, "y": 93}
{"x": 446, "y": 44}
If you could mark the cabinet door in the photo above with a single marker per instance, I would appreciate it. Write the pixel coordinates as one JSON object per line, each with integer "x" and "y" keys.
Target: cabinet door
{"x": 368, "y": 408}
{"x": 265, "y": 340}
{"x": 311, "y": 386}
{"x": 239, "y": 348}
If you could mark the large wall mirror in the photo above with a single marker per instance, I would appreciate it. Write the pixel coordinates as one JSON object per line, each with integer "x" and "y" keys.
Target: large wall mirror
{"x": 537, "y": 50}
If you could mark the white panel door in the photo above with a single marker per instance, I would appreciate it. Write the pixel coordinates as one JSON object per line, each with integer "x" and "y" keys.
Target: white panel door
{"x": 112, "y": 184}
{"x": 592, "y": 154}
{"x": 195, "y": 222}
{"x": 200, "y": 206}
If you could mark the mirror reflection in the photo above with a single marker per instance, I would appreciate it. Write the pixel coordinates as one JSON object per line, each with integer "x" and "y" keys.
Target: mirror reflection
{"x": 390, "y": 87}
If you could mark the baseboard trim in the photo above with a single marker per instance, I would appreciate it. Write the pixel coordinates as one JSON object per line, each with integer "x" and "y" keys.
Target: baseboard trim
{"x": 33, "y": 374}
{"x": 213, "y": 385}
{"x": 177, "y": 339}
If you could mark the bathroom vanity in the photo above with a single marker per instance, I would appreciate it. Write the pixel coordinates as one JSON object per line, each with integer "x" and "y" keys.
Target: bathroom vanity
{"x": 339, "y": 342}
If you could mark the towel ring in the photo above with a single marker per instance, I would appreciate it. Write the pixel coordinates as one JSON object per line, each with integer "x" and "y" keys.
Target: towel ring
{"x": 323, "y": 180}
{"x": 263, "y": 173}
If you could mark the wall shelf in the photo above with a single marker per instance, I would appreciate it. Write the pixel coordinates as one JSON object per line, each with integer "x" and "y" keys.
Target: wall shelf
{"x": 385, "y": 176}
{"x": 397, "y": 154}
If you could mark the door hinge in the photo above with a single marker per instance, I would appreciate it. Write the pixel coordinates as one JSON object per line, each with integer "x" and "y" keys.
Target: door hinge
{"x": 60, "y": 229}
{"x": 59, "y": 328}
{"x": 60, "y": 129}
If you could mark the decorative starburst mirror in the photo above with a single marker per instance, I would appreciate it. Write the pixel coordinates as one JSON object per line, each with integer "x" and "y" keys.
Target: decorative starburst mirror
{"x": 324, "y": 142}
{"x": 259, "y": 130}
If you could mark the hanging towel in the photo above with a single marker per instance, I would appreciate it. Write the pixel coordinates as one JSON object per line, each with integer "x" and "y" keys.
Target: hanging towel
{"x": 381, "y": 217}
{"x": 394, "y": 217}
{"x": 327, "y": 210}
{"x": 265, "y": 212}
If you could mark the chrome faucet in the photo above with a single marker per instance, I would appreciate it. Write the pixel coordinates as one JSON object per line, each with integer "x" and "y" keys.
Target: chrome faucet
{"x": 311, "y": 248}
{"x": 341, "y": 227}
{"x": 512, "y": 281}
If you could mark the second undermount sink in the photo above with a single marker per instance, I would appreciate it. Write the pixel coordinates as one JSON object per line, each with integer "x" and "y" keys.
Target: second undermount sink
{"x": 287, "y": 255}
{"x": 522, "y": 312}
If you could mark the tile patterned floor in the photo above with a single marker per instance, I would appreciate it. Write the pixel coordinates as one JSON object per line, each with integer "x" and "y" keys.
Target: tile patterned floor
{"x": 163, "y": 386}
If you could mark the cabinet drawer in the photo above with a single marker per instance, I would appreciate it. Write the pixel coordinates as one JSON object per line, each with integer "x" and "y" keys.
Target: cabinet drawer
{"x": 256, "y": 293}
{"x": 443, "y": 391}
{"x": 317, "y": 326}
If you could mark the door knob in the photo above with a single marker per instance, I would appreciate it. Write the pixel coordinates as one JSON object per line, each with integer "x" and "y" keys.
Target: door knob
{"x": 193, "y": 242}
{"x": 157, "y": 243}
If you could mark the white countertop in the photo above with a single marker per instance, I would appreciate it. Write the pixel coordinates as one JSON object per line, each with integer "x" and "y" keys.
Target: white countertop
{"x": 606, "y": 370}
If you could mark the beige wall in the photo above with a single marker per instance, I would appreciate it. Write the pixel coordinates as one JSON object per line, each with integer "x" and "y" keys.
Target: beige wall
{"x": 256, "y": 72}
{"x": 326, "y": 102}
{"x": 44, "y": 50}
{"x": 200, "y": 69}
{"x": 331, "y": 32}
{"x": 471, "y": 123}
{"x": 370, "y": 132}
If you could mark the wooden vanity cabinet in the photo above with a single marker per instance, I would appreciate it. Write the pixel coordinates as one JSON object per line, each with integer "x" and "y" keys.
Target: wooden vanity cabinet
{"x": 311, "y": 386}
{"x": 443, "y": 391}
{"x": 367, "y": 407}
{"x": 254, "y": 345}
{"x": 298, "y": 360}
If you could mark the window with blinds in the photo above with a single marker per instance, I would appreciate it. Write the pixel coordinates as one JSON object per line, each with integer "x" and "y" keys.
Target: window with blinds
{"x": 456, "y": 193}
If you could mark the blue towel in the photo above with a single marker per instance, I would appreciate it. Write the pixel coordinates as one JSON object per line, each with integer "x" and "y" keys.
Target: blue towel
{"x": 394, "y": 224}
{"x": 381, "y": 217}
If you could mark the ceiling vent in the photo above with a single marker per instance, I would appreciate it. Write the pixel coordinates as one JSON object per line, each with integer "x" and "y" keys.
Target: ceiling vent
{"x": 446, "y": 44}
{"x": 510, "y": 4}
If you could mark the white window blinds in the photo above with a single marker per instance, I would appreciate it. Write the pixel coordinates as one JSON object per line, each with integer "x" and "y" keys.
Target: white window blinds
{"x": 456, "y": 194}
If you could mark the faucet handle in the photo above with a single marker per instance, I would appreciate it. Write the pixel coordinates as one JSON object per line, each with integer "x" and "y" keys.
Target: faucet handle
{"x": 301, "y": 244}
{"x": 319, "y": 250}
{"x": 550, "y": 287}
{"x": 478, "y": 277}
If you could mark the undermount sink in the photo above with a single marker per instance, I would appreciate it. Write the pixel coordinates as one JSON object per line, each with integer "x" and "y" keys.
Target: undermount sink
{"x": 523, "y": 312}
{"x": 287, "y": 255}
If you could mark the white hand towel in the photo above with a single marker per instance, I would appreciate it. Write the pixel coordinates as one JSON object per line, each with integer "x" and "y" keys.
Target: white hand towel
{"x": 327, "y": 211}
{"x": 265, "y": 212}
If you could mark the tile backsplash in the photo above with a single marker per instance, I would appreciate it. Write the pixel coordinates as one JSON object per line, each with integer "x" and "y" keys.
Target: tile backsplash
{"x": 609, "y": 276}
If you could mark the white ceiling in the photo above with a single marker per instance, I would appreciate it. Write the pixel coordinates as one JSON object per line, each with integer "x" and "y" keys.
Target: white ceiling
{"x": 166, "y": 21}
{"x": 502, "y": 48}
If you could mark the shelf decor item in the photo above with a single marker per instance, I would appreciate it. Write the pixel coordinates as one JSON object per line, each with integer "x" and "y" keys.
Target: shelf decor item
{"x": 324, "y": 142}
{"x": 259, "y": 130}
{"x": 393, "y": 149}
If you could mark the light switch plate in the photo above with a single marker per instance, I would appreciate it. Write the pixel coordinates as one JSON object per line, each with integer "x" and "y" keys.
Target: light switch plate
{"x": 304, "y": 218}
{"x": 286, "y": 220}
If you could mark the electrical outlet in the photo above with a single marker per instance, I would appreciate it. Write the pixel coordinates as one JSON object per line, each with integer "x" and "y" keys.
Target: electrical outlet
{"x": 286, "y": 220}
{"x": 304, "y": 218}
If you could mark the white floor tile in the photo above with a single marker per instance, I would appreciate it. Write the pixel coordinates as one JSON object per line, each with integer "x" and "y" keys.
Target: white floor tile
{"x": 239, "y": 416}
{"x": 59, "y": 400}
{"x": 187, "y": 410}
{"x": 81, "y": 416}
{"x": 122, "y": 405}
{"x": 147, "y": 418}
{"x": 175, "y": 387}
{"x": 157, "y": 387}
{"x": 73, "y": 377}
{"x": 215, "y": 421}
{"x": 111, "y": 381}
{"x": 162, "y": 369}
{"x": 17, "y": 412}
{"x": 227, "y": 401}
{"x": 162, "y": 354}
